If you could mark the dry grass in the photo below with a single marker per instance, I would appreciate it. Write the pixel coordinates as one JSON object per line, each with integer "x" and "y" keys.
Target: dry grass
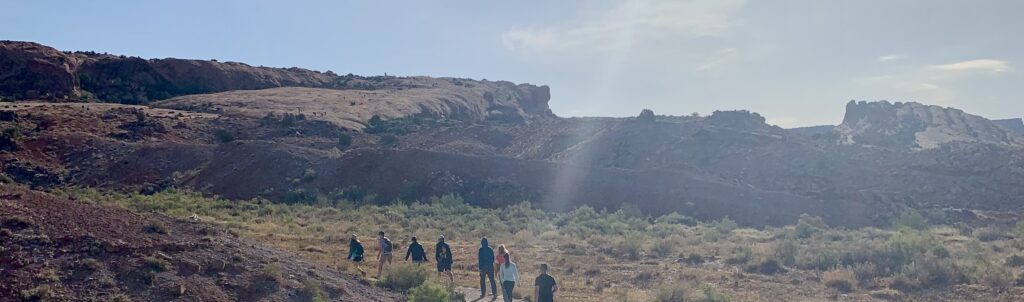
{"x": 617, "y": 257}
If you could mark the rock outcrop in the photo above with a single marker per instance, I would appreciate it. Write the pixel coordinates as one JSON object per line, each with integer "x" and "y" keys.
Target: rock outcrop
{"x": 1016, "y": 125}
{"x": 33, "y": 71}
{"x": 916, "y": 126}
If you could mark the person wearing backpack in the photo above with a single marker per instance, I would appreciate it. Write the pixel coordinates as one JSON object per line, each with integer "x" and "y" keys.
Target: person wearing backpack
{"x": 383, "y": 253}
{"x": 443, "y": 255}
{"x": 355, "y": 249}
{"x": 485, "y": 262}
{"x": 416, "y": 251}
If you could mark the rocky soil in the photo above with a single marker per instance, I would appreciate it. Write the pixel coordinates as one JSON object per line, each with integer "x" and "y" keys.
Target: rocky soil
{"x": 65, "y": 250}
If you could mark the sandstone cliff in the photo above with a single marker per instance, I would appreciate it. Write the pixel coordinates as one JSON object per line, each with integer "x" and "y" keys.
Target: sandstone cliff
{"x": 917, "y": 126}
{"x": 34, "y": 71}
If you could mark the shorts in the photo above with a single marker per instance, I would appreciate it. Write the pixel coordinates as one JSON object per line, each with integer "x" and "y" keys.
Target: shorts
{"x": 444, "y": 266}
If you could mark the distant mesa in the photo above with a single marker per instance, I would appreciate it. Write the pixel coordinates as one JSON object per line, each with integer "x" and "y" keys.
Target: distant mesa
{"x": 918, "y": 126}
{"x": 38, "y": 72}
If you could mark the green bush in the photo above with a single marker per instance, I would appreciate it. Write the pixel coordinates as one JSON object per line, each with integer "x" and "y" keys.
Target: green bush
{"x": 671, "y": 293}
{"x": 403, "y": 277}
{"x": 842, "y": 280}
{"x": 630, "y": 246}
{"x": 299, "y": 196}
{"x": 809, "y": 225}
{"x": 429, "y": 292}
{"x": 709, "y": 294}
{"x": 223, "y": 136}
{"x": 989, "y": 234}
{"x": 344, "y": 140}
{"x": 911, "y": 219}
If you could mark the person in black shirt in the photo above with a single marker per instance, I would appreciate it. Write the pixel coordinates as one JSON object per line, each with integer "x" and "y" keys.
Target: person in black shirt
{"x": 416, "y": 251}
{"x": 485, "y": 263}
{"x": 546, "y": 286}
{"x": 443, "y": 255}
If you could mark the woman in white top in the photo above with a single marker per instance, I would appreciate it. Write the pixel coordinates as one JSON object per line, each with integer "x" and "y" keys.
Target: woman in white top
{"x": 509, "y": 275}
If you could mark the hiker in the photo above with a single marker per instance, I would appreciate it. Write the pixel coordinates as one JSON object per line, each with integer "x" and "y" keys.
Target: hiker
{"x": 416, "y": 251}
{"x": 355, "y": 249}
{"x": 485, "y": 259}
{"x": 383, "y": 252}
{"x": 443, "y": 255}
{"x": 509, "y": 277}
{"x": 546, "y": 286}
{"x": 500, "y": 257}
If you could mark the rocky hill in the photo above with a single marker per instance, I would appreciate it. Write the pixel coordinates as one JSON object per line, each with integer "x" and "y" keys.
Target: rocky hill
{"x": 1016, "y": 125}
{"x": 376, "y": 139}
{"x": 33, "y": 71}
{"x": 914, "y": 125}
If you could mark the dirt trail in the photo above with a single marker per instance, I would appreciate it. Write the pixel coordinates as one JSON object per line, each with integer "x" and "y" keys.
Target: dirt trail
{"x": 473, "y": 295}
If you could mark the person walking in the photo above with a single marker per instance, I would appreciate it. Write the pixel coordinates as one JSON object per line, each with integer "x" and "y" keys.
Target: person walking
{"x": 355, "y": 249}
{"x": 383, "y": 252}
{"x": 500, "y": 257}
{"x": 546, "y": 287}
{"x": 485, "y": 259}
{"x": 509, "y": 277}
{"x": 443, "y": 256}
{"x": 416, "y": 251}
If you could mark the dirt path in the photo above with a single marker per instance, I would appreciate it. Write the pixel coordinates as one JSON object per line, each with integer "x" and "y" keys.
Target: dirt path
{"x": 473, "y": 295}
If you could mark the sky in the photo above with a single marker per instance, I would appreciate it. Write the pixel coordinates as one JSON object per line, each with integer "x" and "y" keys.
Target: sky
{"x": 796, "y": 62}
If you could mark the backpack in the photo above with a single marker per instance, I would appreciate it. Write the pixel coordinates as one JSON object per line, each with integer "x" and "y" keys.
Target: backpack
{"x": 387, "y": 245}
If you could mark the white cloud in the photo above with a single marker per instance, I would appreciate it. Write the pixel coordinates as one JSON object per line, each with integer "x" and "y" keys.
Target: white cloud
{"x": 891, "y": 57}
{"x": 717, "y": 59}
{"x": 980, "y": 64}
{"x": 631, "y": 23}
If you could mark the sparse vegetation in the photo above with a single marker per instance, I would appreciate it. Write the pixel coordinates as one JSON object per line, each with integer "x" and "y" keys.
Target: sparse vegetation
{"x": 223, "y": 136}
{"x": 429, "y": 292}
{"x": 403, "y": 277}
{"x": 594, "y": 246}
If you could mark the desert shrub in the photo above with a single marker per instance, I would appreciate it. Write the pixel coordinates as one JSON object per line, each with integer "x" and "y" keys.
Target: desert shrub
{"x": 809, "y": 225}
{"x": 785, "y": 251}
{"x": 865, "y": 271}
{"x": 403, "y": 277}
{"x": 901, "y": 249}
{"x": 629, "y": 246}
{"x": 429, "y": 292}
{"x": 344, "y": 140}
{"x": 12, "y": 133}
{"x": 299, "y": 196}
{"x": 38, "y": 293}
{"x": 92, "y": 264}
{"x": 389, "y": 140}
{"x": 1015, "y": 261}
{"x": 308, "y": 175}
{"x": 709, "y": 294}
{"x": 911, "y": 219}
{"x": 155, "y": 228}
{"x": 766, "y": 267}
{"x": 664, "y": 247}
{"x": 156, "y": 264}
{"x": 312, "y": 291}
{"x": 272, "y": 272}
{"x": 694, "y": 259}
{"x": 928, "y": 272}
{"x": 223, "y": 136}
{"x": 842, "y": 280}
{"x": 671, "y": 293}
{"x": 351, "y": 193}
{"x": 989, "y": 234}
{"x": 725, "y": 225}
{"x": 676, "y": 218}
{"x": 988, "y": 274}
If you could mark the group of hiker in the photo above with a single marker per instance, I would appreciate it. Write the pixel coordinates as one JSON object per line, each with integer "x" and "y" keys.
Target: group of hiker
{"x": 489, "y": 264}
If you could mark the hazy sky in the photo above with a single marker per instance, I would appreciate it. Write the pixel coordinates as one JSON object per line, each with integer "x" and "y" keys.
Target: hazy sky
{"x": 795, "y": 62}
